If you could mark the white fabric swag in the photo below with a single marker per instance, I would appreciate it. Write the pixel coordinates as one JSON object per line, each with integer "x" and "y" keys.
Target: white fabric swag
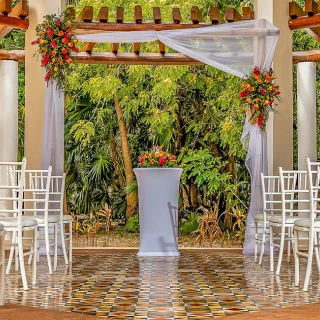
{"x": 232, "y": 47}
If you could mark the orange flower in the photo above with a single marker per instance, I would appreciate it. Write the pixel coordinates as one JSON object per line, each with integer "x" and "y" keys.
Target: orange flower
{"x": 251, "y": 89}
{"x": 267, "y": 102}
{"x": 53, "y": 60}
{"x": 53, "y": 53}
{"x": 271, "y": 88}
{"x": 41, "y": 41}
{"x": 267, "y": 80}
{"x": 65, "y": 40}
{"x": 256, "y": 77}
{"x": 55, "y": 69}
{"x": 248, "y": 100}
{"x": 61, "y": 33}
{"x": 69, "y": 61}
{"x": 256, "y": 107}
{"x": 75, "y": 41}
{"x": 70, "y": 44}
{"x": 64, "y": 51}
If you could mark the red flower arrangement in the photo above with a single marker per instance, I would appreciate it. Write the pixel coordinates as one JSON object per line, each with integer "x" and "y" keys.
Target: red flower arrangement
{"x": 259, "y": 94}
{"x": 56, "y": 43}
{"x": 158, "y": 158}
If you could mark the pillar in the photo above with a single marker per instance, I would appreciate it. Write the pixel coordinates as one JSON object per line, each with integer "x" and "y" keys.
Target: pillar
{"x": 8, "y": 110}
{"x": 280, "y": 126}
{"x": 35, "y": 84}
{"x": 306, "y": 113}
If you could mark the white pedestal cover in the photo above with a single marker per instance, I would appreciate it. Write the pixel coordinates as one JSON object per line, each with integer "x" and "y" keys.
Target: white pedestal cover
{"x": 158, "y": 210}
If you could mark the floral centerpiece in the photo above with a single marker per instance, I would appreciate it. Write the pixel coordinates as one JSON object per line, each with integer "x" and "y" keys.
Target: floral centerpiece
{"x": 56, "y": 42}
{"x": 259, "y": 94}
{"x": 158, "y": 158}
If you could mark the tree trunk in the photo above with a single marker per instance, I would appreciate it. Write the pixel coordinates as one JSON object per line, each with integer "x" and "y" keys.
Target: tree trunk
{"x": 193, "y": 193}
{"x": 115, "y": 157}
{"x": 132, "y": 199}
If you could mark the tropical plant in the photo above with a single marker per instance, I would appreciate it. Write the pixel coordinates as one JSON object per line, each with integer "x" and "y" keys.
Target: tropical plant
{"x": 189, "y": 224}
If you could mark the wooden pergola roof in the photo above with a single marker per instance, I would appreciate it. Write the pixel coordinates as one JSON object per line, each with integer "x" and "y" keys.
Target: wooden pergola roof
{"x": 13, "y": 17}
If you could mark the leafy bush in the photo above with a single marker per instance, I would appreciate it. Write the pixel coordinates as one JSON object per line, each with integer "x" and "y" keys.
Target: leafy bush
{"x": 190, "y": 224}
{"x": 132, "y": 224}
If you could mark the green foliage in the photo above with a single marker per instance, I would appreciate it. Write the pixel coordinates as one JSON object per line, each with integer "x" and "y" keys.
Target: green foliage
{"x": 132, "y": 224}
{"x": 190, "y": 224}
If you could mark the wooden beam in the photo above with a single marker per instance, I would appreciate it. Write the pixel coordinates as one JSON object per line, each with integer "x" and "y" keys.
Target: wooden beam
{"x": 86, "y": 14}
{"x": 305, "y": 22}
{"x": 314, "y": 33}
{"x": 247, "y": 13}
{"x": 134, "y": 59}
{"x": 176, "y": 15}
{"x": 14, "y": 22}
{"x": 232, "y": 15}
{"x": 311, "y": 7}
{"x": 196, "y": 15}
{"x": 138, "y": 19}
{"x": 215, "y": 15}
{"x": 119, "y": 20}
{"x": 17, "y": 55}
{"x": 306, "y": 56}
{"x": 5, "y": 6}
{"x": 103, "y": 14}
{"x": 157, "y": 20}
{"x": 295, "y": 10}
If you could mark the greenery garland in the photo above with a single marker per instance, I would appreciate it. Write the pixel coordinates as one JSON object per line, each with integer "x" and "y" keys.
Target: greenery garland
{"x": 56, "y": 42}
{"x": 259, "y": 94}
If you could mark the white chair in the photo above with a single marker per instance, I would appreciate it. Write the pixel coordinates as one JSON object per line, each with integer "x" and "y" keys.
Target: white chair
{"x": 56, "y": 200}
{"x": 2, "y": 263}
{"x": 310, "y": 227}
{"x": 39, "y": 187}
{"x": 12, "y": 182}
{"x": 292, "y": 185}
{"x": 271, "y": 205}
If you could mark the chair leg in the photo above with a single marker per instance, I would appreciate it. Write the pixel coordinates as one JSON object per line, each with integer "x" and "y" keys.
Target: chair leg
{"x": 309, "y": 263}
{"x": 55, "y": 257}
{"x": 255, "y": 224}
{"x": 70, "y": 242}
{"x": 289, "y": 244}
{"x": 316, "y": 249}
{"x": 35, "y": 255}
{"x": 282, "y": 236}
{"x": 46, "y": 236}
{"x": 263, "y": 243}
{"x": 63, "y": 241}
{"x": 271, "y": 249}
{"x": 12, "y": 250}
{"x": 2, "y": 261}
{"x": 21, "y": 261}
{"x": 296, "y": 257}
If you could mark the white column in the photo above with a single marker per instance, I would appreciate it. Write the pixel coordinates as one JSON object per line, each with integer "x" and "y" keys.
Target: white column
{"x": 8, "y": 110}
{"x": 306, "y": 113}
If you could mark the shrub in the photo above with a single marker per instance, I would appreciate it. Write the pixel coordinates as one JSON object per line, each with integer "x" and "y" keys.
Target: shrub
{"x": 190, "y": 224}
{"x": 132, "y": 224}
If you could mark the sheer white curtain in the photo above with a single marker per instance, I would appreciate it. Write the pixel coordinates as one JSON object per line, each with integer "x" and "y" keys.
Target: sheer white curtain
{"x": 232, "y": 47}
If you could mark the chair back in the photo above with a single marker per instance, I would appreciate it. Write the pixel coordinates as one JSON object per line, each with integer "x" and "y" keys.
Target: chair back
{"x": 38, "y": 189}
{"x": 271, "y": 194}
{"x": 294, "y": 192}
{"x": 313, "y": 170}
{"x": 56, "y": 194}
{"x": 12, "y": 182}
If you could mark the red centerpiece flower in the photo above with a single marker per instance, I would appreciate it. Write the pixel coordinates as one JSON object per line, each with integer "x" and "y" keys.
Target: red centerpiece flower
{"x": 259, "y": 93}
{"x": 56, "y": 42}
{"x": 156, "y": 157}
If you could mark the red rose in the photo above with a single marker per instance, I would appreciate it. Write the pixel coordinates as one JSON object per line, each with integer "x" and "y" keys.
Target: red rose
{"x": 53, "y": 43}
{"x": 64, "y": 51}
{"x": 50, "y": 32}
{"x": 277, "y": 93}
{"x": 162, "y": 161}
{"x": 68, "y": 35}
{"x": 47, "y": 77}
{"x": 35, "y": 42}
{"x": 141, "y": 160}
{"x": 271, "y": 101}
{"x": 45, "y": 60}
{"x": 74, "y": 49}
{"x": 260, "y": 120}
{"x": 66, "y": 57}
{"x": 65, "y": 40}
{"x": 263, "y": 91}
{"x": 58, "y": 23}
{"x": 243, "y": 94}
{"x": 256, "y": 71}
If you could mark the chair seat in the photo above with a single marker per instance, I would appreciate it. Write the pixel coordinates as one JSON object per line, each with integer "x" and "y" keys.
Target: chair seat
{"x": 51, "y": 218}
{"x": 288, "y": 219}
{"x": 305, "y": 223}
{"x": 259, "y": 217}
{"x": 11, "y": 222}
{"x": 67, "y": 218}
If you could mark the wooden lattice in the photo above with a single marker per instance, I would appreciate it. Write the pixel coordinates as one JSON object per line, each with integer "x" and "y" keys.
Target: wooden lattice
{"x": 305, "y": 18}
{"x": 13, "y": 17}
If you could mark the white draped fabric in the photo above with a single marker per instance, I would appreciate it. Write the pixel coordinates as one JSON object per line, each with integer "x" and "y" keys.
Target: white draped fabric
{"x": 232, "y": 47}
